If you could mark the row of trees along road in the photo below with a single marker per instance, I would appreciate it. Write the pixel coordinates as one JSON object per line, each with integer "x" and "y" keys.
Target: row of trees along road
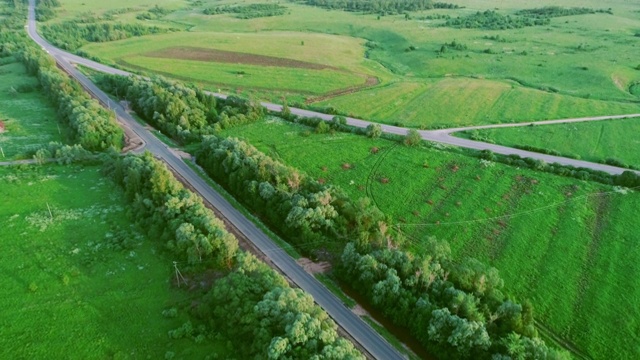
{"x": 457, "y": 310}
{"x": 184, "y": 113}
{"x": 249, "y": 302}
{"x": 92, "y": 127}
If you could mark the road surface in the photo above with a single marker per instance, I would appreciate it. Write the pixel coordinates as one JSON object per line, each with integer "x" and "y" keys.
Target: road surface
{"x": 359, "y": 330}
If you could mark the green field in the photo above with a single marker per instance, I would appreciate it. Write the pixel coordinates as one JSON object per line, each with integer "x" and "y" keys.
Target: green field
{"x": 592, "y": 141}
{"x": 567, "y": 245}
{"x": 66, "y": 292}
{"x": 217, "y": 74}
{"x": 29, "y": 120}
{"x": 575, "y": 66}
{"x": 463, "y": 101}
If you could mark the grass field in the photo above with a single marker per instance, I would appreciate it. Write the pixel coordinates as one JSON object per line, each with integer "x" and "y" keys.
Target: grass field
{"x": 577, "y": 65}
{"x": 238, "y": 75}
{"x": 592, "y": 141}
{"x": 567, "y": 245}
{"x": 66, "y": 294}
{"x": 29, "y": 119}
{"x": 463, "y": 101}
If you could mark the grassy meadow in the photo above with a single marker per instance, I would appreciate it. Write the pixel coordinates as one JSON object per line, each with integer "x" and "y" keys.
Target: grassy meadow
{"x": 567, "y": 245}
{"x": 592, "y": 141}
{"x": 463, "y": 101}
{"x": 29, "y": 120}
{"x": 69, "y": 292}
{"x": 575, "y": 66}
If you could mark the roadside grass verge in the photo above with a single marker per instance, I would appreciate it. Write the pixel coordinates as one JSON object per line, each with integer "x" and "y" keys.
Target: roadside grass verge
{"x": 592, "y": 141}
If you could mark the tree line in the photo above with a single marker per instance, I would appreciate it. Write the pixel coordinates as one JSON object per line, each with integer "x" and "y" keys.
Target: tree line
{"x": 380, "y": 6}
{"x": 250, "y": 302}
{"x": 303, "y": 210}
{"x": 92, "y": 126}
{"x": 182, "y": 112}
{"x": 456, "y": 310}
{"x": 492, "y": 20}
{"x": 557, "y": 11}
{"x": 71, "y": 35}
{"x": 250, "y": 11}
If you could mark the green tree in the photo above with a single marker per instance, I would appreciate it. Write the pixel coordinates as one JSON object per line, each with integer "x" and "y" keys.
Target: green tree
{"x": 413, "y": 138}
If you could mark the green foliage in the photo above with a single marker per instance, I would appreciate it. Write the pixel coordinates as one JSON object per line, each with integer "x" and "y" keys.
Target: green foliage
{"x": 374, "y": 130}
{"x": 492, "y": 20}
{"x": 458, "y": 310}
{"x": 70, "y": 35}
{"x": 595, "y": 141}
{"x": 182, "y": 112}
{"x": 380, "y": 6}
{"x": 304, "y": 210}
{"x": 271, "y": 320}
{"x": 487, "y": 210}
{"x": 154, "y": 13}
{"x": 250, "y": 11}
{"x": 93, "y": 127}
{"x": 45, "y": 9}
{"x": 170, "y": 213}
{"x": 413, "y": 138}
{"x": 557, "y": 11}
{"x": 133, "y": 284}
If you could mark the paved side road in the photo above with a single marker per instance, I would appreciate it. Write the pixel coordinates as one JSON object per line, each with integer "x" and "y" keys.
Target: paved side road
{"x": 371, "y": 341}
{"x": 440, "y": 136}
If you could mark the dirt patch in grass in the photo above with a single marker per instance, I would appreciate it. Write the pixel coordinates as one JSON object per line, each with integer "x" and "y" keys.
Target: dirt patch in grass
{"x": 232, "y": 57}
{"x": 314, "y": 267}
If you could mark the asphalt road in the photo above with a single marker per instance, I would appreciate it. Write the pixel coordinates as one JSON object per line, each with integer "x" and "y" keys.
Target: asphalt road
{"x": 440, "y": 136}
{"x": 370, "y": 340}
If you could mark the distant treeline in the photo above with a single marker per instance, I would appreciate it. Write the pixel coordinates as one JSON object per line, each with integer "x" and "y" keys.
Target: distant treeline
{"x": 248, "y": 11}
{"x": 379, "y": 6}
{"x": 70, "y": 35}
{"x": 249, "y": 302}
{"x": 491, "y": 20}
{"x": 557, "y": 11}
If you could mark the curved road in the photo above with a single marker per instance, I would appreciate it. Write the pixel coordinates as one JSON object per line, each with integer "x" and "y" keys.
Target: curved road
{"x": 371, "y": 341}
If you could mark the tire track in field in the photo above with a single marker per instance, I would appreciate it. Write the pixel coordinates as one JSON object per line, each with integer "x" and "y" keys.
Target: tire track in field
{"x": 374, "y": 169}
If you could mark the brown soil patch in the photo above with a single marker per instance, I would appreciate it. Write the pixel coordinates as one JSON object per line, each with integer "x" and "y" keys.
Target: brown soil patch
{"x": 231, "y": 57}
{"x": 314, "y": 267}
